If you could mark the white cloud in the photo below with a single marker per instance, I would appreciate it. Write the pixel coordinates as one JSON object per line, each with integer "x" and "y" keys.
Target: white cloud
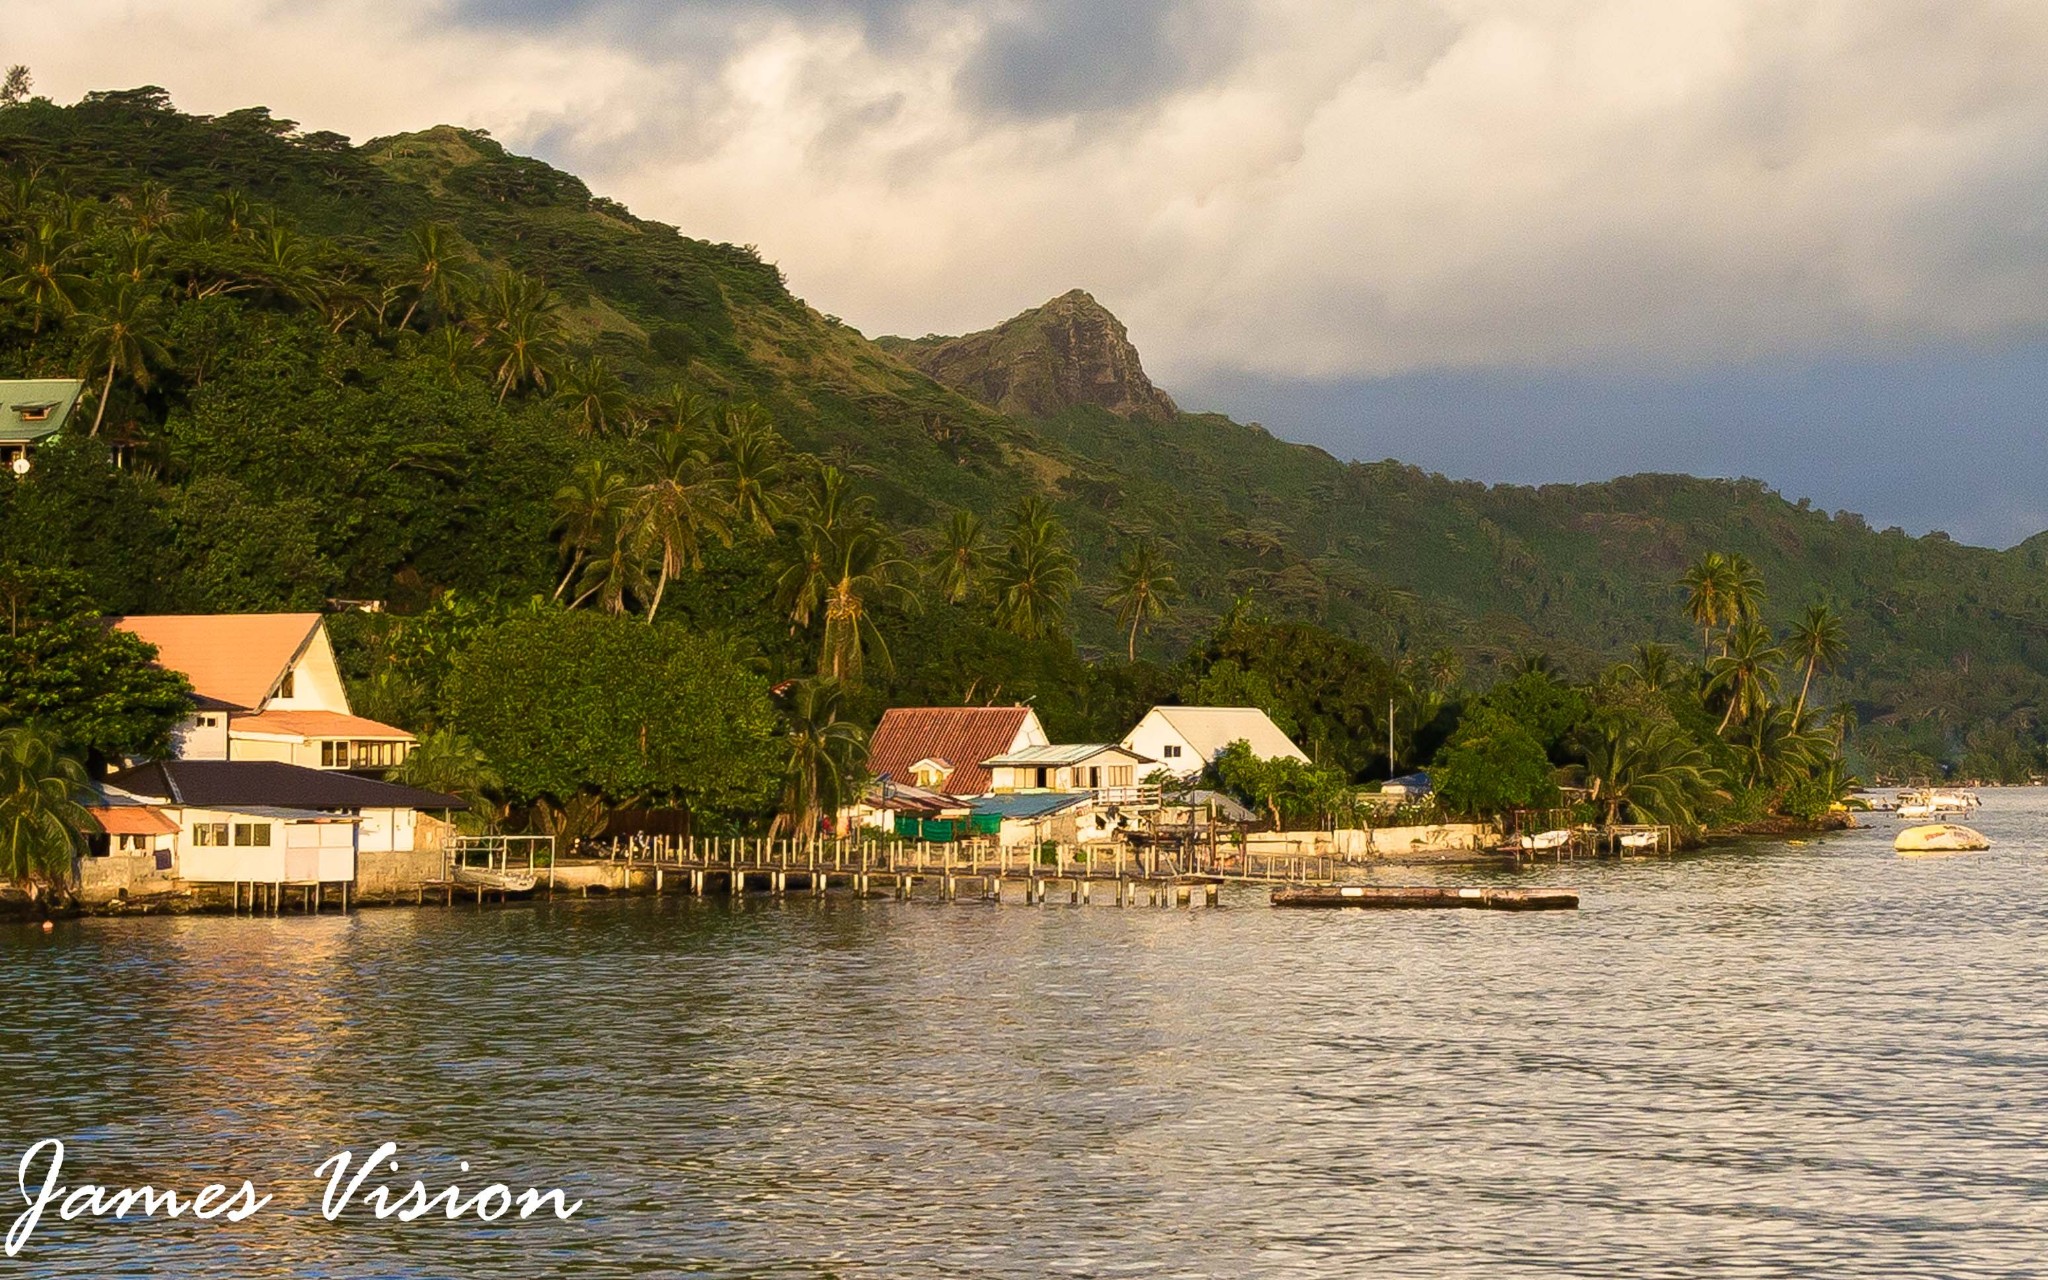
{"x": 1305, "y": 188}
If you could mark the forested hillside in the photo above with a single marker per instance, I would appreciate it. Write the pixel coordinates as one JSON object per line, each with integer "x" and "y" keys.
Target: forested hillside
{"x": 385, "y": 372}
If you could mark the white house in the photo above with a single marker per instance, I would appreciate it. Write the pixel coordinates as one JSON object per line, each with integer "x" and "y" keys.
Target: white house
{"x": 268, "y": 688}
{"x": 1187, "y": 740}
{"x": 266, "y": 822}
{"x": 1101, "y": 768}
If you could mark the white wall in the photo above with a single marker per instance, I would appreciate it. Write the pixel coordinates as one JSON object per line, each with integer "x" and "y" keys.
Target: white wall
{"x": 1152, "y": 737}
{"x": 316, "y": 681}
{"x": 297, "y": 850}
{"x": 196, "y": 739}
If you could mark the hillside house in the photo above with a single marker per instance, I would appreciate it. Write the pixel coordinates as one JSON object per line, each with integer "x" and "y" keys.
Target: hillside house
{"x": 267, "y": 689}
{"x": 31, "y": 410}
{"x": 941, "y": 749}
{"x": 1187, "y": 740}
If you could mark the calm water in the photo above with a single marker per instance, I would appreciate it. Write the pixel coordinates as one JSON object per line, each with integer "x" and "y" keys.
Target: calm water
{"x": 1777, "y": 1060}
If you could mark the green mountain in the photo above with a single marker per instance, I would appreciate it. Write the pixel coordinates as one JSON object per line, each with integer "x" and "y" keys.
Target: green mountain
{"x": 293, "y": 400}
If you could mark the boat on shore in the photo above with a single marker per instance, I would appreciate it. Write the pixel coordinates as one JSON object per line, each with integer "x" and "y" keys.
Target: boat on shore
{"x": 1940, "y": 837}
{"x": 496, "y": 881}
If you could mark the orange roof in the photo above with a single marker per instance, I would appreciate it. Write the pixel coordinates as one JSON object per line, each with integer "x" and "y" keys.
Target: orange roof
{"x": 132, "y": 820}
{"x": 234, "y": 658}
{"x": 908, "y": 735}
{"x": 313, "y": 724}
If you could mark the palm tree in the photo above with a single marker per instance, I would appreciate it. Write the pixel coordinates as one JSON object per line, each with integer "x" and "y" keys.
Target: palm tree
{"x": 1650, "y": 667}
{"x": 122, "y": 332}
{"x": 521, "y": 332}
{"x": 1818, "y": 640}
{"x": 1035, "y": 574}
{"x": 45, "y": 273}
{"x": 862, "y": 572}
{"x": 43, "y": 820}
{"x": 433, "y": 270}
{"x": 1745, "y": 590}
{"x": 677, "y": 509}
{"x": 593, "y": 396}
{"x": 1141, "y": 591}
{"x": 830, "y": 504}
{"x": 1745, "y": 672}
{"x": 960, "y": 558}
{"x": 1706, "y": 582}
{"x": 1648, "y": 771}
{"x": 458, "y": 349}
{"x": 827, "y": 758}
{"x": 615, "y": 574}
{"x": 748, "y": 451}
{"x": 588, "y": 512}
{"x": 445, "y": 761}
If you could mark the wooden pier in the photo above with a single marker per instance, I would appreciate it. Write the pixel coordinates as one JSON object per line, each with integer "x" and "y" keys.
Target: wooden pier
{"x": 975, "y": 869}
{"x": 1428, "y": 897}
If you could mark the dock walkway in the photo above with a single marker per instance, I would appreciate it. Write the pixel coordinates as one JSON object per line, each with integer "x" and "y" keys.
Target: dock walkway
{"x": 980, "y": 869}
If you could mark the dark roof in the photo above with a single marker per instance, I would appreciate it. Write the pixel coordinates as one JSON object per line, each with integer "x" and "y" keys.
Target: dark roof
{"x": 963, "y": 735}
{"x": 231, "y": 783}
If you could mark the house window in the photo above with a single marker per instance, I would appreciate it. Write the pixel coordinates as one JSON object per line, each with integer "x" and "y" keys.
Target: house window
{"x": 1120, "y": 775}
{"x": 1172, "y": 751}
{"x": 210, "y": 835}
{"x": 209, "y": 722}
{"x": 284, "y": 687}
{"x": 379, "y": 755}
{"x": 134, "y": 844}
{"x": 252, "y": 835}
{"x": 36, "y": 412}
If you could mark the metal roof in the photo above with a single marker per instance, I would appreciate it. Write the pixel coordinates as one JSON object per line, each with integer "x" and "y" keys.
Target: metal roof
{"x": 21, "y": 398}
{"x": 1060, "y": 755}
{"x": 1210, "y": 729}
{"x": 963, "y": 735}
{"x": 1035, "y": 804}
{"x": 237, "y": 784}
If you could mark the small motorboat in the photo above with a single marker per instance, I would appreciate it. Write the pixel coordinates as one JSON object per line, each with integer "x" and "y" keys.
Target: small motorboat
{"x": 1544, "y": 841}
{"x": 499, "y": 881}
{"x": 1637, "y": 841}
{"x": 1940, "y": 837}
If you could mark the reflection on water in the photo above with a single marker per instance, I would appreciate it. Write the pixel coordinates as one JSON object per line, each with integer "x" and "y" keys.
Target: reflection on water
{"x": 1819, "y": 1060}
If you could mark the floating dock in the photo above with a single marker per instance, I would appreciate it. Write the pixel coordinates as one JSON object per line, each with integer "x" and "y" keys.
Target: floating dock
{"x": 1425, "y": 897}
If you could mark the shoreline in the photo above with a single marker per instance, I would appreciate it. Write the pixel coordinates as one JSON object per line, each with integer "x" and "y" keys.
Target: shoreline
{"x": 17, "y": 909}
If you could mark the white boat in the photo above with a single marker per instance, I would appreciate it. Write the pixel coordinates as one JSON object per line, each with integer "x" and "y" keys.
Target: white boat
{"x": 1639, "y": 840}
{"x": 1920, "y": 805}
{"x": 1940, "y": 837}
{"x": 499, "y": 881}
{"x": 1544, "y": 841}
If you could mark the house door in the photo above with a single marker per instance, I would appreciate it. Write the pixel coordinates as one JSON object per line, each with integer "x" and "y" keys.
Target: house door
{"x": 302, "y": 851}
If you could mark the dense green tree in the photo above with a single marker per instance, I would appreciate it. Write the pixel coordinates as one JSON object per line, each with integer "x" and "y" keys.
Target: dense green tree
{"x": 96, "y": 688}
{"x": 1493, "y": 765}
{"x": 562, "y": 702}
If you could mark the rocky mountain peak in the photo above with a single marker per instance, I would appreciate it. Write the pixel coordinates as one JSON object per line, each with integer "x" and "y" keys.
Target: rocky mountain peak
{"x": 1067, "y": 353}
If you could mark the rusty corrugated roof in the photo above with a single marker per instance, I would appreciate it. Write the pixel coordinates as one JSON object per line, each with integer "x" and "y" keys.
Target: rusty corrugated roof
{"x": 967, "y": 735}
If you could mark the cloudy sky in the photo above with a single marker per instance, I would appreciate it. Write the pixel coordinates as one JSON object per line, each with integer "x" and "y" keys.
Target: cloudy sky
{"x": 1509, "y": 239}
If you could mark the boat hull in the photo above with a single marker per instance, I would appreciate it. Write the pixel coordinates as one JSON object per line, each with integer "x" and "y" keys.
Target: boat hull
{"x": 1940, "y": 837}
